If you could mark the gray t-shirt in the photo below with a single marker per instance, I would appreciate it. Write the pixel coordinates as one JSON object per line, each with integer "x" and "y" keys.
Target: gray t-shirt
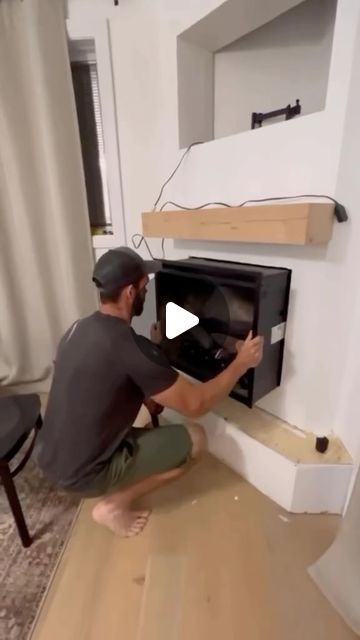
{"x": 103, "y": 372}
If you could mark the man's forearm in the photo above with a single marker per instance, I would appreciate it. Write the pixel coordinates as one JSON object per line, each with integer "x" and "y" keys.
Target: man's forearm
{"x": 193, "y": 400}
{"x": 208, "y": 394}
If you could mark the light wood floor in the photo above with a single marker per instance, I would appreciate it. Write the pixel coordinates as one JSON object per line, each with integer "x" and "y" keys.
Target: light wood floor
{"x": 216, "y": 562}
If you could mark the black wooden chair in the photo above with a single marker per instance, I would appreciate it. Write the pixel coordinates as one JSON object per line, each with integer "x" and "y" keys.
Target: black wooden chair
{"x": 19, "y": 416}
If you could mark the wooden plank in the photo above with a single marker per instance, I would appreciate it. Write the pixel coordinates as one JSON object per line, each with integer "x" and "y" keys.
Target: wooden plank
{"x": 215, "y": 557}
{"x": 290, "y": 442}
{"x": 296, "y": 223}
{"x": 163, "y": 595}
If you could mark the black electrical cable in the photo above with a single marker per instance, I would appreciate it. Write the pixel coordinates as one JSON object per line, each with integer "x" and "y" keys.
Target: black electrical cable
{"x": 277, "y": 198}
{"x": 193, "y": 144}
{"x": 242, "y": 204}
{"x": 203, "y": 206}
{"x": 137, "y": 243}
{"x": 138, "y": 238}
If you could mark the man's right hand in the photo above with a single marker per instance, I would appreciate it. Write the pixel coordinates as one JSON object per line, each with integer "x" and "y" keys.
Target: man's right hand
{"x": 155, "y": 333}
{"x": 250, "y": 352}
{"x": 194, "y": 400}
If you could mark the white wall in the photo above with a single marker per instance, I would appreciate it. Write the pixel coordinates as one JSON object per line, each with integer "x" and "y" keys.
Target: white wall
{"x": 195, "y": 70}
{"x": 228, "y": 20}
{"x": 267, "y": 69}
{"x": 348, "y": 298}
{"x": 300, "y": 156}
{"x": 83, "y": 8}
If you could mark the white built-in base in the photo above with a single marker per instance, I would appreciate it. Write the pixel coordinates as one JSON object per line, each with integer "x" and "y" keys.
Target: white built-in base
{"x": 315, "y": 486}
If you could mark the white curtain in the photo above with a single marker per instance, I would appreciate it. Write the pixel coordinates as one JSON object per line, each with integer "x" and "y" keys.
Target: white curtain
{"x": 337, "y": 573}
{"x": 45, "y": 244}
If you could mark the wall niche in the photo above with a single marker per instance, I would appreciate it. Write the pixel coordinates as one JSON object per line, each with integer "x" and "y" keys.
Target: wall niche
{"x": 248, "y": 56}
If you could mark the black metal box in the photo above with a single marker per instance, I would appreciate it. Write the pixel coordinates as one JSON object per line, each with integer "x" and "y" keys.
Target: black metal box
{"x": 230, "y": 299}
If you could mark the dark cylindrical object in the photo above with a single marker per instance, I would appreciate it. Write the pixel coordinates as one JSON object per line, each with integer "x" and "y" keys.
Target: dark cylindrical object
{"x": 322, "y": 444}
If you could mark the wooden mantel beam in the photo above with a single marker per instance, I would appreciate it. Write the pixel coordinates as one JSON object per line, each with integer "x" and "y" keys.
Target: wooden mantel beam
{"x": 297, "y": 223}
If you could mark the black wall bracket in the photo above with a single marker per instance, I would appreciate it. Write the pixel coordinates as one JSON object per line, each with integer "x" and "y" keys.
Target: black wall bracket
{"x": 116, "y": 3}
{"x": 289, "y": 112}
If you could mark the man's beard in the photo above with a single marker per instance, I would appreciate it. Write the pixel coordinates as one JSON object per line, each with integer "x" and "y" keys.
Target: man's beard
{"x": 138, "y": 304}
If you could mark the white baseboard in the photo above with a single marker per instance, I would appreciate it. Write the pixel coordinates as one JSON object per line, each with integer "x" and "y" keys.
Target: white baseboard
{"x": 297, "y": 487}
{"x": 321, "y": 488}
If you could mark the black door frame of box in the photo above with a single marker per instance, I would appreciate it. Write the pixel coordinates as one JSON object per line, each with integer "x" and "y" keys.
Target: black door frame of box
{"x": 253, "y": 277}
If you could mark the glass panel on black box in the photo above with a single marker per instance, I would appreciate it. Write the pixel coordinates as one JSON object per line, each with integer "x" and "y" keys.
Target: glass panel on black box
{"x": 225, "y": 312}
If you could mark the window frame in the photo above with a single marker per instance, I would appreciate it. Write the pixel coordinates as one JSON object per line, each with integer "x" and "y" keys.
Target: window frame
{"x": 99, "y": 31}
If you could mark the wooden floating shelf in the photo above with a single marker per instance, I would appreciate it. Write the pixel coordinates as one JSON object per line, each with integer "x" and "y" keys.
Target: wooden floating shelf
{"x": 296, "y": 223}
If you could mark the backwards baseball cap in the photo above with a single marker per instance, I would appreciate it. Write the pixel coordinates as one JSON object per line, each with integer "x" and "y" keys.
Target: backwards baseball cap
{"x": 120, "y": 267}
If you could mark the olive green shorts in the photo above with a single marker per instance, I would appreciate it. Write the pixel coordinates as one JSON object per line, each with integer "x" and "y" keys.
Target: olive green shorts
{"x": 143, "y": 453}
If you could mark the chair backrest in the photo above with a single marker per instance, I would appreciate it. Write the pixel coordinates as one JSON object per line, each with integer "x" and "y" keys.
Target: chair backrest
{"x": 18, "y": 415}
{"x": 9, "y": 419}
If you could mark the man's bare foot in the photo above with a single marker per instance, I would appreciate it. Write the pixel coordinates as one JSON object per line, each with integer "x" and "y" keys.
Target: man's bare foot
{"x": 125, "y": 524}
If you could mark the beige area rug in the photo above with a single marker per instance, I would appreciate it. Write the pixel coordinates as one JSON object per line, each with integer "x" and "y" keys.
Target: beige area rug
{"x": 25, "y": 573}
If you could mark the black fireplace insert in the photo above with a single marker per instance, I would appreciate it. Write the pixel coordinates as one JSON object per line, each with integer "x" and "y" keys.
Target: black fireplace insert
{"x": 230, "y": 299}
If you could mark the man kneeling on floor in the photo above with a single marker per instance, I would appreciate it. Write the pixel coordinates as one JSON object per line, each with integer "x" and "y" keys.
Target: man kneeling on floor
{"x": 104, "y": 372}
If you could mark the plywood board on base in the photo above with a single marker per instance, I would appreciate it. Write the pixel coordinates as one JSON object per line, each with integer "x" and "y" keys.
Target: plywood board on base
{"x": 292, "y": 443}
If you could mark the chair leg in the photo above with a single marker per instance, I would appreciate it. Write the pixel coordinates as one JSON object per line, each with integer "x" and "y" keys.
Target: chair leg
{"x": 155, "y": 420}
{"x": 14, "y": 503}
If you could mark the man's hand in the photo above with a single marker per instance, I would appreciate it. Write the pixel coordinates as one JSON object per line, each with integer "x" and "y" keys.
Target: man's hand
{"x": 155, "y": 333}
{"x": 250, "y": 352}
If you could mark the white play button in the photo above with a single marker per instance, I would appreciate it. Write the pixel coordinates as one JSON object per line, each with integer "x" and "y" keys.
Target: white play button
{"x": 178, "y": 320}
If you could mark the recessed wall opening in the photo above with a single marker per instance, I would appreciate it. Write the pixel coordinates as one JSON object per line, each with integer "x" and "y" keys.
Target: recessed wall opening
{"x": 221, "y": 82}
